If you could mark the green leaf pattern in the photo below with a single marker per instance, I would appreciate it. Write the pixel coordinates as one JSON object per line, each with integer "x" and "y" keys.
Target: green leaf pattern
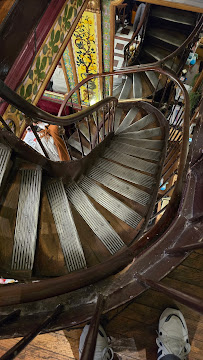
{"x": 46, "y": 55}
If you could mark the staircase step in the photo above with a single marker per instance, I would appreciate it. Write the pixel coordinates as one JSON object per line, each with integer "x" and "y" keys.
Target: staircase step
{"x": 135, "y": 151}
{"x": 140, "y": 124}
{"x": 65, "y": 225}
{"x": 76, "y": 145}
{"x": 144, "y": 143}
{"x": 137, "y": 85}
{"x": 5, "y": 154}
{"x": 131, "y": 161}
{"x": 119, "y": 186}
{"x": 158, "y": 54}
{"x": 128, "y": 119}
{"x": 174, "y": 15}
{"x": 124, "y": 173}
{"x": 110, "y": 203}
{"x": 26, "y": 220}
{"x": 141, "y": 134}
{"x": 154, "y": 79}
{"x": 84, "y": 130}
{"x": 126, "y": 88}
{"x": 94, "y": 219}
{"x": 117, "y": 120}
{"x": 167, "y": 36}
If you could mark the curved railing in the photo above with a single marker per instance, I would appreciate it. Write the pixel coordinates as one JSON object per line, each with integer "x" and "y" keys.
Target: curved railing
{"x": 190, "y": 40}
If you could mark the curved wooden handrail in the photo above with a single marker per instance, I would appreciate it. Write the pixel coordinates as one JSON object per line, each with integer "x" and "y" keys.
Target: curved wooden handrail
{"x": 37, "y": 114}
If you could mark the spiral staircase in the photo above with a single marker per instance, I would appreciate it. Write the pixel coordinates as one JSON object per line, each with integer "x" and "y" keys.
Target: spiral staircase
{"x": 72, "y": 231}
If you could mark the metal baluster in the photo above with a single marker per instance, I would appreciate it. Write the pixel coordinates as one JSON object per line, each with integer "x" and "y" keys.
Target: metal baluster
{"x": 113, "y": 116}
{"x": 191, "y": 301}
{"x": 10, "y": 317}
{"x": 164, "y": 92}
{"x": 177, "y": 250}
{"x": 39, "y": 140}
{"x": 158, "y": 213}
{"x": 165, "y": 193}
{"x": 80, "y": 139}
{"x": 16, "y": 349}
{"x": 97, "y": 120}
{"x": 89, "y": 129}
{"x": 103, "y": 116}
{"x": 155, "y": 90}
{"x": 109, "y": 115}
{"x": 91, "y": 338}
{"x": 67, "y": 147}
{"x": 174, "y": 173}
{"x": 5, "y": 125}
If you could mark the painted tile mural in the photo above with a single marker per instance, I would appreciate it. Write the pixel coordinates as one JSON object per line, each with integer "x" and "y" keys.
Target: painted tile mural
{"x": 72, "y": 84}
{"x": 85, "y": 49}
{"x": 105, "y": 4}
{"x": 45, "y": 57}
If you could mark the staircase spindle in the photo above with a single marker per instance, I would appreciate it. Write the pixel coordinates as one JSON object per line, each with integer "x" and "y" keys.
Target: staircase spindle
{"x": 182, "y": 249}
{"x": 191, "y": 301}
{"x": 80, "y": 139}
{"x": 16, "y": 349}
{"x": 90, "y": 341}
{"x": 89, "y": 130}
{"x": 10, "y": 317}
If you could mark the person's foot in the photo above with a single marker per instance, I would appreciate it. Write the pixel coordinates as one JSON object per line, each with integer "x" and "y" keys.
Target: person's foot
{"x": 172, "y": 335}
{"x": 102, "y": 349}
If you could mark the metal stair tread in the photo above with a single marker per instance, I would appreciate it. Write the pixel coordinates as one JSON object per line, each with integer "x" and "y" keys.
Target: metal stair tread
{"x": 5, "y": 154}
{"x": 158, "y": 54}
{"x": 109, "y": 202}
{"x": 119, "y": 186}
{"x": 128, "y": 119}
{"x": 145, "y": 143}
{"x": 137, "y": 85}
{"x": 131, "y": 161}
{"x": 27, "y": 220}
{"x": 153, "y": 78}
{"x": 76, "y": 145}
{"x": 124, "y": 173}
{"x": 140, "y": 124}
{"x": 65, "y": 225}
{"x": 180, "y": 16}
{"x": 135, "y": 151}
{"x": 142, "y": 134}
{"x": 167, "y": 36}
{"x": 94, "y": 219}
{"x": 126, "y": 88}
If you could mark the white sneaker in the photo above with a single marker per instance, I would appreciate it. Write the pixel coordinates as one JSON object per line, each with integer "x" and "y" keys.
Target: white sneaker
{"x": 102, "y": 349}
{"x": 173, "y": 335}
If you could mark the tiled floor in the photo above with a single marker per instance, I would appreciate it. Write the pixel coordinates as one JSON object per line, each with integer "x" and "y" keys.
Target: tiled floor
{"x": 122, "y": 38}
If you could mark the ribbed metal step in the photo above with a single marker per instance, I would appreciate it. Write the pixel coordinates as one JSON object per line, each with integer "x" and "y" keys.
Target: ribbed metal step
{"x": 110, "y": 203}
{"x": 140, "y": 124}
{"x": 137, "y": 85}
{"x": 174, "y": 15}
{"x": 76, "y": 145}
{"x": 126, "y": 88}
{"x": 144, "y": 143}
{"x": 124, "y": 173}
{"x": 168, "y": 36}
{"x": 158, "y": 54}
{"x": 119, "y": 186}
{"x": 135, "y": 151}
{"x": 94, "y": 219}
{"x": 65, "y": 225}
{"x": 131, "y": 161}
{"x": 142, "y": 134}
{"x": 26, "y": 220}
{"x": 5, "y": 154}
{"x": 154, "y": 79}
{"x": 128, "y": 119}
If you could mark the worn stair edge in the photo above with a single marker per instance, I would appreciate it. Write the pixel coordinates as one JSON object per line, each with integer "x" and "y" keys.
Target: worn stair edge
{"x": 128, "y": 119}
{"x": 140, "y": 124}
{"x": 99, "y": 225}
{"x": 135, "y": 151}
{"x": 65, "y": 225}
{"x": 110, "y": 202}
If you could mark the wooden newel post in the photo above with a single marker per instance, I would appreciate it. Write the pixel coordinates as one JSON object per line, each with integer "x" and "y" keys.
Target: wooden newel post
{"x": 90, "y": 341}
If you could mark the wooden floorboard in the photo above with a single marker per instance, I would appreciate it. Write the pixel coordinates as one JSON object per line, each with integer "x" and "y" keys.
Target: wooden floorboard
{"x": 133, "y": 326}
